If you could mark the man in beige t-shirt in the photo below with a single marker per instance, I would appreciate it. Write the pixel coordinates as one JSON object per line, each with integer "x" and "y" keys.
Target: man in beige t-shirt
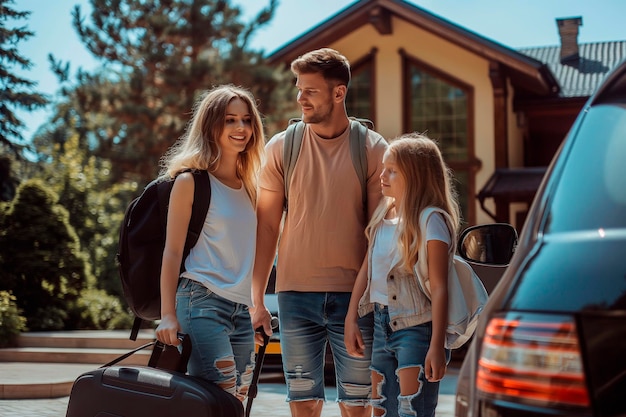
{"x": 322, "y": 244}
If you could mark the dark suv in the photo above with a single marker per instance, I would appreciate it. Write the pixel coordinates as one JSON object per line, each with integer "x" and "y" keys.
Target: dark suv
{"x": 552, "y": 338}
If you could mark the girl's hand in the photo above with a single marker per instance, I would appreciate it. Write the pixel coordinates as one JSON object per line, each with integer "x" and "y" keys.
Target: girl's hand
{"x": 167, "y": 331}
{"x": 435, "y": 364}
{"x": 353, "y": 339}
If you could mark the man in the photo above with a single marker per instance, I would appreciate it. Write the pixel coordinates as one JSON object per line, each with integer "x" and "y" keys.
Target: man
{"x": 322, "y": 244}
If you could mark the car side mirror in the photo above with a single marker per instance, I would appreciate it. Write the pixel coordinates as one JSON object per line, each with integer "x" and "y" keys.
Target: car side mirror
{"x": 489, "y": 244}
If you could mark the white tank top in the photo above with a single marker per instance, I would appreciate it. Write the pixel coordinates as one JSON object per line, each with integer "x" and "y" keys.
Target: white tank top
{"x": 223, "y": 258}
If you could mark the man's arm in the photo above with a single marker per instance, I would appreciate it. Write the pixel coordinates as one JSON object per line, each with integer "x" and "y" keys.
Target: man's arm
{"x": 269, "y": 214}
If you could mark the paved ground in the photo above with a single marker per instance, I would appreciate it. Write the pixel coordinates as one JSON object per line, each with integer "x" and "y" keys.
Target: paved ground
{"x": 269, "y": 402}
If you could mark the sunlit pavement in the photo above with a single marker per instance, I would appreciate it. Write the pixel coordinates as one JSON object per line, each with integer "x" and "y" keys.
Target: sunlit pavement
{"x": 270, "y": 401}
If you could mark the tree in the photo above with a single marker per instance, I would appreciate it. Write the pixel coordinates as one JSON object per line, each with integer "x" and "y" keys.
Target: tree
{"x": 95, "y": 205}
{"x": 8, "y": 182}
{"x": 159, "y": 55}
{"x": 42, "y": 263}
{"x": 16, "y": 92}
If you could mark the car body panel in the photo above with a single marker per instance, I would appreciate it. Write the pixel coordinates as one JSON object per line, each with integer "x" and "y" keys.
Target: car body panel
{"x": 568, "y": 262}
{"x": 571, "y": 260}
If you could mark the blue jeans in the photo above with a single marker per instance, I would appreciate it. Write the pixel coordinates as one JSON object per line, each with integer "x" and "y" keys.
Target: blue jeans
{"x": 308, "y": 321}
{"x": 221, "y": 332}
{"x": 392, "y": 351}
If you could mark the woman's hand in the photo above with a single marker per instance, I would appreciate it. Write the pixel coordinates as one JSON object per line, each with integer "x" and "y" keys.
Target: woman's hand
{"x": 167, "y": 331}
{"x": 261, "y": 318}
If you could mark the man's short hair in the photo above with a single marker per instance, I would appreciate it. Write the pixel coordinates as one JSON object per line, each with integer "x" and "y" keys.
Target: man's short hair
{"x": 326, "y": 61}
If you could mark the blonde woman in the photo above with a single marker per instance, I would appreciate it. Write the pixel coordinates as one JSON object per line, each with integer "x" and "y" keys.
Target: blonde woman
{"x": 408, "y": 354}
{"x": 210, "y": 300}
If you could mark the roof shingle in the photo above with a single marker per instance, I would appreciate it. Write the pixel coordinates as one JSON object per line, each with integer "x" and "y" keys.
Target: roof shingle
{"x": 580, "y": 78}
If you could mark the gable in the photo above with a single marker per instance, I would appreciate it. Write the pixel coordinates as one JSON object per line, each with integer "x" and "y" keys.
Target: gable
{"x": 526, "y": 73}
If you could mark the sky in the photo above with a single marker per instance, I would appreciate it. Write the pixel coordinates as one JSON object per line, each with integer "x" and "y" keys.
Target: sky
{"x": 513, "y": 23}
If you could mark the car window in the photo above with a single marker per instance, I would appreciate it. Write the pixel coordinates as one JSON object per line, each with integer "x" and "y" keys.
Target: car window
{"x": 591, "y": 191}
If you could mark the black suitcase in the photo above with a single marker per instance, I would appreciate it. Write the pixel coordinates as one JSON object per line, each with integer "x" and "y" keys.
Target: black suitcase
{"x": 160, "y": 389}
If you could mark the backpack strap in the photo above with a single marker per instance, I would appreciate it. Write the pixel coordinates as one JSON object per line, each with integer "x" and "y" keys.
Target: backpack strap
{"x": 134, "y": 332}
{"x": 358, "y": 133}
{"x": 358, "y": 152}
{"x": 199, "y": 210}
{"x": 291, "y": 150}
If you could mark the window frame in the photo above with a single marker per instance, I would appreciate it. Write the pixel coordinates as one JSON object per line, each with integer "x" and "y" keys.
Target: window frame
{"x": 468, "y": 165}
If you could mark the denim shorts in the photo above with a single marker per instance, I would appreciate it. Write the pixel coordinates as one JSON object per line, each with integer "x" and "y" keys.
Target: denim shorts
{"x": 308, "y": 321}
{"x": 402, "y": 349}
{"x": 219, "y": 330}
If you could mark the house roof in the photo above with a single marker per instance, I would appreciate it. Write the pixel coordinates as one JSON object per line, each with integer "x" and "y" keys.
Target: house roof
{"x": 580, "y": 78}
{"x": 524, "y": 70}
{"x": 511, "y": 185}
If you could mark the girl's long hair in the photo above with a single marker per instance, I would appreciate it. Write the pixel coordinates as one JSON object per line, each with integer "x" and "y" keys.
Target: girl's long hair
{"x": 428, "y": 182}
{"x": 199, "y": 148}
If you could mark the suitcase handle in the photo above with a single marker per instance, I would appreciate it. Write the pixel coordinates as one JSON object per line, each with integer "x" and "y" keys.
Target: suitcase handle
{"x": 173, "y": 360}
{"x": 169, "y": 357}
{"x": 126, "y": 355}
{"x": 260, "y": 357}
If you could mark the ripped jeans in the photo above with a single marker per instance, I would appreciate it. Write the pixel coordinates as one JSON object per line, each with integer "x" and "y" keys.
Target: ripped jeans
{"x": 308, "y": 321}
{"x": 221, "y": 335}
{"x": 392, "y": 351}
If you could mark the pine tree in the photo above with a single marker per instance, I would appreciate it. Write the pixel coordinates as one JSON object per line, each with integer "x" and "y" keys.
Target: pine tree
{"x": 158, "y": 56}
{"x": 16, "y": 92}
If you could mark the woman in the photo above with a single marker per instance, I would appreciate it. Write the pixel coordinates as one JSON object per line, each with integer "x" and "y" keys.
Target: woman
{"x": 210, "y": 299}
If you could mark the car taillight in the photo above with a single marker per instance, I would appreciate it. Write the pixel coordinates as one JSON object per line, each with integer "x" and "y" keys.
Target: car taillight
{"x": 534, "y": 359}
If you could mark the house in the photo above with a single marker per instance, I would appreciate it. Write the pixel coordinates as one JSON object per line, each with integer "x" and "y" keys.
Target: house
{"x": 499, "y": 114}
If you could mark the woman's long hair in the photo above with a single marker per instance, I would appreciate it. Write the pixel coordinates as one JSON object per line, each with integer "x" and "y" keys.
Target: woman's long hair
{"x": 428, "y": 182}
{"x": 199, "y": 148}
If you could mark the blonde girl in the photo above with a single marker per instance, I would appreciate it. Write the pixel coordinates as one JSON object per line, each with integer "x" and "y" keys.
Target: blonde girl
{"x": 408, "y": 354}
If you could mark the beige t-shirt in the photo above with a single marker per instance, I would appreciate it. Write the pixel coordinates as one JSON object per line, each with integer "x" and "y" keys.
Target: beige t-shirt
{"x": 323, "y": 244}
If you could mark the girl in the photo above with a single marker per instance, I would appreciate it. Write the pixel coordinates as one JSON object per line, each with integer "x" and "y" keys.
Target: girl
{"x": 210, "y": 299}
{"x": 408, "y": 354}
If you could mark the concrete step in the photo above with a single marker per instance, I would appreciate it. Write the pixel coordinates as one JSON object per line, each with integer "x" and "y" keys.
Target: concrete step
{"x": 45, "y": 364}
{"x": 72, "y": 355}
{"x": 105, "y": 339}
{"x": 22, "y": 380}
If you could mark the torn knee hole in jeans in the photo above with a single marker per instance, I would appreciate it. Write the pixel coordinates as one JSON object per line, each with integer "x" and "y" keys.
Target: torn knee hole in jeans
{"x": 378, "y": 398}
{"x": 246, "y": 380}
{"x": 226, "y": 367}
{"x": 420, "y": 371}
{"x": 404, "y": 401}
{"x": 356, "y": 390}
{"x": 405, "y": 406}
{"x": 298, "y": 380}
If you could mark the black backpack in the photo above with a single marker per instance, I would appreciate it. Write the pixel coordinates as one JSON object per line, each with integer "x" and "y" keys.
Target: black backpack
{"x": 142, "y": 240}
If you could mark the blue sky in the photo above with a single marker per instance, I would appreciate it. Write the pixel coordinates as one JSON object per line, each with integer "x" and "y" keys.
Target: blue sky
{"x": 513, "y": 23}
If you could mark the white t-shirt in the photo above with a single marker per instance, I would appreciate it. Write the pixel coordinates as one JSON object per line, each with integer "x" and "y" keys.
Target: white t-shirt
{"x": 223, "y": 258}
{"x": 385, "y": 254}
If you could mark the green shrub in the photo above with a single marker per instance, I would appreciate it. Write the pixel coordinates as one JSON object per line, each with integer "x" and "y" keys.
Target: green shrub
{"x": 42, "y": 262}
{"x": 11, "y": 321}
{"x": 48, "y": 318}
{"x": 98, "y": 310}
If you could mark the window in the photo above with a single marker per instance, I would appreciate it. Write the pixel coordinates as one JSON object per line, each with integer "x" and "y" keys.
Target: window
{"x": 360, "y": 99}
{"x": 440, "y": 107}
